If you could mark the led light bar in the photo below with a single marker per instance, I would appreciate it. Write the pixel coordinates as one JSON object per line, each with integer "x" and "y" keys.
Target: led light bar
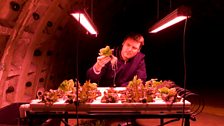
{"x": 174, "y": 17}
{"x": 83, "y": 18}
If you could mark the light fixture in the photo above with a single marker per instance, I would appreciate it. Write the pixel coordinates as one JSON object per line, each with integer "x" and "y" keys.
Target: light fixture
{"x": 174, "y": 17}
{"x": 83, "y": 18}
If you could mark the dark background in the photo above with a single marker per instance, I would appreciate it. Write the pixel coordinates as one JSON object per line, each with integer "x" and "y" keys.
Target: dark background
{"x": 203, "y": 50}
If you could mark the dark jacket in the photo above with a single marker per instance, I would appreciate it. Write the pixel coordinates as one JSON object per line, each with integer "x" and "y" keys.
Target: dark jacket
{"x": 125, "y": 72}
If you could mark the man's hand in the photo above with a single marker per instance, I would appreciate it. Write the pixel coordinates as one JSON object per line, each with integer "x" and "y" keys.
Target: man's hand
{"x": 101, "y": 61}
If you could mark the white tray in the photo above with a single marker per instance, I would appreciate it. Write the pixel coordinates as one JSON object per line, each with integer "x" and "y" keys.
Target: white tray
{"x": 96, "y": 106}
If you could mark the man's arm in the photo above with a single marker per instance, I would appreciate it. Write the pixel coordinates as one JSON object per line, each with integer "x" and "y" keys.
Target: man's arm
{"x": 98, "y": 69}
{"x": 93, "y": 76}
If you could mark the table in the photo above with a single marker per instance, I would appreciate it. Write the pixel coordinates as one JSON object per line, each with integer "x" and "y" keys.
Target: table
{"x": 97, "y": 110}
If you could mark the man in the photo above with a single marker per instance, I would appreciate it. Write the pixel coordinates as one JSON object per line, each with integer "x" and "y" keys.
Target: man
{"x": 120, "y": 68}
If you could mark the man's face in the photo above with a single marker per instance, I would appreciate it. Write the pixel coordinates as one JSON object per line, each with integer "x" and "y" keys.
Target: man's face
{"x": 130, "y": 48}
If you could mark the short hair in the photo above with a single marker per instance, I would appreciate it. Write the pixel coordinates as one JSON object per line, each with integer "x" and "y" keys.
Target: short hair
{"x": 137, "y": 37}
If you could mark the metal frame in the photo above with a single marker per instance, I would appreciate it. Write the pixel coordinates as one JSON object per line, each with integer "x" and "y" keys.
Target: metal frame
{"x": 109, "y": 115}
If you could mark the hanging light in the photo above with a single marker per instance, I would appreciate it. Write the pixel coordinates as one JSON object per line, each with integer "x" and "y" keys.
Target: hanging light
{"x": 174, "y": 17}
{"x": 83, "y": 18}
